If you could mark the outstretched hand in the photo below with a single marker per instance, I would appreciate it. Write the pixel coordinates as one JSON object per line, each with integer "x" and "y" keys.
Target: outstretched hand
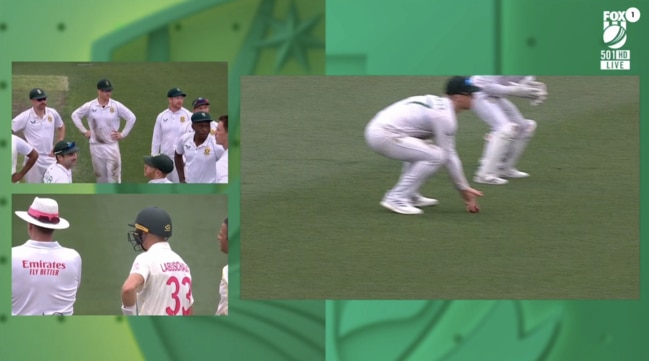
{"x": 470, "y": 196}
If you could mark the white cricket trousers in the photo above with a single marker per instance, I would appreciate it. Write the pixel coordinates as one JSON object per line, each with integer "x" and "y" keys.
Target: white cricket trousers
{"x": 421, "y": 159}
{"x": 509, "y": 132}
{"x": 106, "y": 162}
{"x": 497, "y": 112}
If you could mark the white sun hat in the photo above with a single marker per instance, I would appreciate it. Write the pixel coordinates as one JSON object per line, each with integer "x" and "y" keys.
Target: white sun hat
{"x": 44, "y": 212}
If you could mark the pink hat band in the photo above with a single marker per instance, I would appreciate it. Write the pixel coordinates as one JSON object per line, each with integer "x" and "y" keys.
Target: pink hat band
{"x": 52, "y": 218}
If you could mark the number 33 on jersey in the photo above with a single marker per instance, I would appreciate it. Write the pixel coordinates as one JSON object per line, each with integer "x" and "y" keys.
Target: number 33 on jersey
{"x": 167, "y": 288}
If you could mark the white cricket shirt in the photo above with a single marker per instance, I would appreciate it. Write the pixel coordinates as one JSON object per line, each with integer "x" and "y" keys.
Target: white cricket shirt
{"x": 199, "y": 160}
{"x": 425, "y": 117}
{"x": 169, "y": 126}
{"x": 167, "y": 282}
{"x": 222, "y": 309}
{"x": 160, "y": 181}
{"x": 45, "y": 278}
{"x": 222, "y": 168}
{"x": 18, "y": 146}
{"x": 39, "y": 132}
{"x": 103, "y": 120}
{"x": 56, "y": 173}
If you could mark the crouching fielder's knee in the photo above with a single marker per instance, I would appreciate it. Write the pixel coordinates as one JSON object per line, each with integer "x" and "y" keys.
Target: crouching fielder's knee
{"x": 529, "y": 128}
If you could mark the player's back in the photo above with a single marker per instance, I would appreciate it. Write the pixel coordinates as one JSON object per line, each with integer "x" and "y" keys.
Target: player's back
{"x": 414, "y": 116}
{"x": 45, "y": 278}
{"x": 168, "y": 287}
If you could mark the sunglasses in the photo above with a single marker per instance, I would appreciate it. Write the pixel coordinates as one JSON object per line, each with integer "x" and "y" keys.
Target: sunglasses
{"x": 45, "y": 218}
{"x": 106, "y": 90}
{"x": 68, "y": 146}
{"x": 41, "y": 100}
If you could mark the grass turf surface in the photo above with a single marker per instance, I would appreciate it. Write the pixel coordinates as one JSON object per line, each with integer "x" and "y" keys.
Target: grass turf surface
{"x": 142, "y": 87}
{"x": 98, "y": 228}
{"x": 311, "y": 225}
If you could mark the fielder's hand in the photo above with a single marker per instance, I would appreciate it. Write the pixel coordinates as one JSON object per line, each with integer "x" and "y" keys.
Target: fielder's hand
{"x": 542, "y": 92}
{"x": 115, "y": 135}
{"x": 530, "y": 90}
{"x": 538, "y": 89}
{"x": 470, "y": 196}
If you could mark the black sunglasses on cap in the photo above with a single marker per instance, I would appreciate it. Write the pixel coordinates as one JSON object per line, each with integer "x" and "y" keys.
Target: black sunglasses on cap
{"x": 68, "y": 146}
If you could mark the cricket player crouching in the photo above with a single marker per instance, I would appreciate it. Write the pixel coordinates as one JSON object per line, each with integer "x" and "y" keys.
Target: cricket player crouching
{"x": 509, "y": 131}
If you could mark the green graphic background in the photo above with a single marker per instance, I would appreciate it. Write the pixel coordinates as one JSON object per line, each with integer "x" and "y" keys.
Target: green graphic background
{"x": 363, "y": 37}
{"x": 254, "y": 37}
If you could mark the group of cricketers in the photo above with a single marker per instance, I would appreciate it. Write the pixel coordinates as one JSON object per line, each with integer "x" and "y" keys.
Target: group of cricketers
{"x": 46, "y": 275}
{"x": 186, "y": 147}
{"x": 420, "y": 132}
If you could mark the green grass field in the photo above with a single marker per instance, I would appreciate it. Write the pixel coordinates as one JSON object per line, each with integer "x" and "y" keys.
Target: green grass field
{"x": 142, "y": 87}
{"x": 312, "y": 227}
{"x": 98, "y": 228}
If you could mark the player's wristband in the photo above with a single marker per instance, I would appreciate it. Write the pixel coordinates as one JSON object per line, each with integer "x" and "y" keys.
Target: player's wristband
{"x": 129, "y": 311}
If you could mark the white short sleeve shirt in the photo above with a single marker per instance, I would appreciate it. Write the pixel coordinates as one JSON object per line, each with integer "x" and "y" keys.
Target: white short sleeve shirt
{"x": 223, "y": 291}
{"x": 39, "y": 132}
{"x": 160, "y": 181}
{"x": 222, "y": 168}
{"x": 45, "y": 278}
{"x": 199, "y": 160}
{"x": 167, "y": 286}
{"x": 56, "y": 173}
{"x": 18, "y": 146}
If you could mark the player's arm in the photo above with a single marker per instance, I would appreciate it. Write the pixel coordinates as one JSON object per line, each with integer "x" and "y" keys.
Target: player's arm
{"x": 156, "y": 139}
{"x": 454, "y": 167}
{"x": 491, "y": 86}
{"x": 32, "y": 157}
{"x": 131, "y": 286}
{"x": 60, "y": 126}
{"x": 541, "y": 89}
{"x": 179, "y": 163}
{"x": 60, "y": 133}
{"x": 126, "y": 114}
{"x": 77, "y": 116}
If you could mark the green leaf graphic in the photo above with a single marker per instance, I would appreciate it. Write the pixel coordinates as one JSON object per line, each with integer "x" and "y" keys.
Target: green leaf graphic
{"x": 361, "y": 328}
{"x": 436, "y": 331}
{"x": 500, "y": 337}
{"x": 269, "y": 331}
{"x": 357, "y": 316}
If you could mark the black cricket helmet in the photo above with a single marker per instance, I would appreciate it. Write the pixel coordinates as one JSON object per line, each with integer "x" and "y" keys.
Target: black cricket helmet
{"x": 154, "y": 220}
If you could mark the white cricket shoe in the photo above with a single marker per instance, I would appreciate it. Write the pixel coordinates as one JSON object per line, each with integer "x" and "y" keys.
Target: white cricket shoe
{"x": 489, "y": 179}
{"x": 420, "y": 201}
{"x": 400, "y": 206}
{"x": 514, "y": 173}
